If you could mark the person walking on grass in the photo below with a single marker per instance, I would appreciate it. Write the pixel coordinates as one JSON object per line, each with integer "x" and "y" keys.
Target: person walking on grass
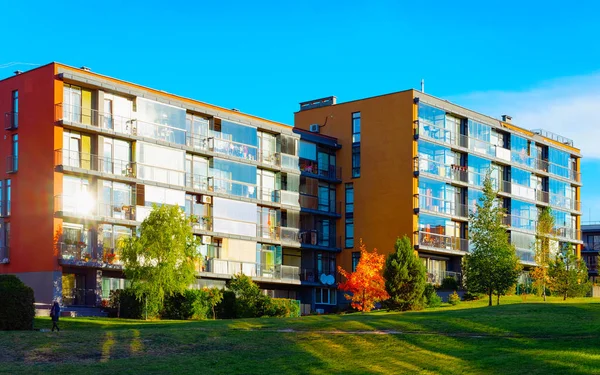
{"x": 54, "y": 314}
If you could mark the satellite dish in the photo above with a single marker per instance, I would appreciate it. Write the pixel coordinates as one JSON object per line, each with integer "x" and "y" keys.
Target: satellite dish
{"x": 323, "y": 278}
{"x": 330, "y": 280}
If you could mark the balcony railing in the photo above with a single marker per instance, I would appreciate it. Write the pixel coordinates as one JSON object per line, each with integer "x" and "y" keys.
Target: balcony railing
{"x": 84, "y": 205}
{"x": 526, "y": 255}
{"x": 436, "y": 277}
{"x": 4, "y": 254}
{"x": 313, "y": 275}
{"x": 524, "y": 223}
{"x": 290, "y": 198}
{"x": 84, "y": 253}
{"x": 290, "y": 234}
{"x": 314, "y": 203}
{"x": 11, "y": 120}
{"x": 312, "y": 167}
{"x": 443, "y": 242}
{"x": 438, "y": 205}
{"x": 234, "y": 267}
{"x": 231, "y": 187}
{"x": 431, "y": 167}
{"x": 268, "y": 232}
{"x": 316, "y": 237}
{"x": 289, "y": 161}
{"x": 75, "y": 159}
{"x": 231, "y": 148}
{"x": 201, "y": 223}
{"x": 12, "y": 164}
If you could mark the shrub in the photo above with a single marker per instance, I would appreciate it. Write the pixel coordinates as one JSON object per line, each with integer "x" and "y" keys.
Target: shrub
{"x": 16, "y": 304}
{"x": 454, "y": 299}
{"x": 226, "y": 308}
{"x": 449, "y": 283}
{"x": 281, "y": 307}
{"x": 468, "y": 296}
{"x": 124, "y": 304}
{"x": 192, "y": 304}
{"x": 431, "y": 297}
{"x": 248, "y": 300}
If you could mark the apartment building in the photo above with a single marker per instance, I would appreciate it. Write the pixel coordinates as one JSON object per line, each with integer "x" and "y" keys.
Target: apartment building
{"x": 591, "y": 248}
{"x": 87, "y": 155}
{"x": 416, "y": 166}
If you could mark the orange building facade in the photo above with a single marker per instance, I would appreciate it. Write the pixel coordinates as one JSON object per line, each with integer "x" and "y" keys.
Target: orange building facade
{"x": 414, "y": 165}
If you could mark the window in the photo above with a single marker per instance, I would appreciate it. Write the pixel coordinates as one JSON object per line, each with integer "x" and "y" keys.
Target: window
{"x": 349, "y": 243}
{"x": 349, "y": 198}
{"x": 325, "y": 296}
{"x": 1, "y": 198}
{"x": 7, "y": 234}
{"x": 356, "y": 161}
{"x": 356, "y": 127}
{"x": 355, "y": 260}
{"x": 15, "y": 109}
{"x": 8, "y": 193}
{"x": 14, "y": 163}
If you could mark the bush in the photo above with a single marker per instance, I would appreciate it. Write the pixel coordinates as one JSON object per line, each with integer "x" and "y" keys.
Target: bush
{"x": 226, "y": 308}
{"x": 472, "y": 296}
{"x": 431, "y": 297}
{"x": 17, "y": 308}
{"x": 124, "y": 304}
{"x": 249, "y": 303}
{"x": 281, "y": 307}
{"x": 454, "y": 299}
{"x": 192, "y": 304}
{"x": 449, "y": 283}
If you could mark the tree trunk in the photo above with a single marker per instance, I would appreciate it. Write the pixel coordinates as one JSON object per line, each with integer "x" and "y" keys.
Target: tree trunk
{"x": 544, "y": 291}
{"x": 498, "y": 299}
{"x": 490, "y": 294}
{"x": 565, "y": 297}
{"x": 214, "y": 314}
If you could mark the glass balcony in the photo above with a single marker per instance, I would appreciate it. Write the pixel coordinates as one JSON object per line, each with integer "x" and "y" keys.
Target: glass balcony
{"x": 269, "y": 157}
{"x": 290, "y": 198}
{"x": 268, "y": 232}
{"x": 158, "y": 174}
{"x": 315, "y": 203}
{"x": 436, "y": 277}
{"x": 328, "y": 171}
{"x": 237, "y": 188}
{"x": 438, "y": 205}
{"x": 82, "y": 253}
{"x": 526, "y": 255}
{"x": 451, "y": 172}
{"x": 197, "y": 182}
{"x": 289, "y": 161}
{"x": 231, "y": 148}
{"x": 442, "y": 242}
{"x": 234, "y": 267}
{"x": 316, "y": 237}
{"x": 116, "y": 210}
{"x": 76, "y": 205}
{"x": 289, "y": 234}
{"x": 75, "y": 159}
{"x": 203, "y": 223}
{"x": 269, "y": 195}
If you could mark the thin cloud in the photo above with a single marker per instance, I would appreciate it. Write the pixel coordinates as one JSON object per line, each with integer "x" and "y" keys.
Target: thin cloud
{"x": 566, "y": 106}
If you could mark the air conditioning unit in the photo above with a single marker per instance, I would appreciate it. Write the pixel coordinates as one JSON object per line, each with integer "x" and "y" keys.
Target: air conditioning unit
{"x": 207, "y": 199}
{"x": 314, "y": 128}
{"x": 206, "y": 240}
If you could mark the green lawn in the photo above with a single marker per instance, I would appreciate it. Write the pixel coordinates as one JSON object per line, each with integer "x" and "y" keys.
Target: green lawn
{"x": 515, "y": 338}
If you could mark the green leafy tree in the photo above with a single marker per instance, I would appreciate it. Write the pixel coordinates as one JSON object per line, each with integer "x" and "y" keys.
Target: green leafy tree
{"x": 493, "y": 266}
{"x": 542, "y": 246}
{"x": 159, "y": 262}
{"x": 568, "y": 275}
{"x": 248, "y": 299}
{"x": 404, "y": 275}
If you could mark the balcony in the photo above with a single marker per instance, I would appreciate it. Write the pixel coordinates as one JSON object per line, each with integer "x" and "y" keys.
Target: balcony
{"x": 119, "y": 124}
{"x": 436, "y": 277}
{"x": 435, "y": 205}
{"x": 83, "y": 205}
{"x": 82, "y": 254}
{"x": 313, "y": 275}
{"x": 442, "y": 242}
{"x": 289, "y": 161}
{"x": 320, "y": 206}
{"x": 75, "y": 159}
{"x": 289, "y": 234}
{"x": 290, "y": 198}
{"x": 311, "y": 168}
{"x": 530, "y": 225}
{"x": 234, "y": 267}
{"x": 4, "y": 255}
{"x": 12, "y": 164}
{"x": 231, "y": 187}
{"x": 231, "y": 148}
{"x": 11, "y": 120}
{"x": 203, "y": 223}
{"x": 317, "y": 239}
{"x": 451, "y": 172}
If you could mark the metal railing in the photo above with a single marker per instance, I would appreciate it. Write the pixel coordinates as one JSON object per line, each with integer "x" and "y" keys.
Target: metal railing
{"x": 11, "y": 120}
{"x": 443, "y": 242}
{"x": 76, "y": 159}
{"x": 289, "y": 161}
{"x": 530, "y": 225}
{"x": 290, "y": 198}
{"x": 436, "y": 277}
{"x": 324, "y": 205}
{"x": 234, "y": 267}
{"x": 290, "y": 234}
{"x": 86, "y": 253}
{"x": 453, "y": 172}
{"x": 84, "y": 205}
{"x": 312, "y": 275}
{"x": 312, "y": 167}
{"x": 232, "y": 148}
{"x": 316, "y": 237}
{"x": 438, "y": 205}
{"x": 553, "y": 136}
{"x": 159, "y": 174}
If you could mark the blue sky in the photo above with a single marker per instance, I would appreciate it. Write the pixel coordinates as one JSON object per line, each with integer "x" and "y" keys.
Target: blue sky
{"x": 539, "y": 61}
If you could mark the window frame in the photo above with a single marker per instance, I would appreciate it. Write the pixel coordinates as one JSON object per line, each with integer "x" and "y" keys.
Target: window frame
{"x": 347, "y": 239}
{"x": 15, "y": 109}
{"x": 355, "y": 260}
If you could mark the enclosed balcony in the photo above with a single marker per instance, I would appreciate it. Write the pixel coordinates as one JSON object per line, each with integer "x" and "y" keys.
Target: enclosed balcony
{"x": 436, "y": 205}
{"x": 436, "y": 169}
{"x": 81, "y": 160}
{"x": 318, "y": 239}
{"x": 83, "y": 254}
{"x": 84, "y": 205}
{"x": 320, "y": 205}
{"x": 442, "y": 242}
{"x": 312, "y": 168}
{"x": 229, "y": 268}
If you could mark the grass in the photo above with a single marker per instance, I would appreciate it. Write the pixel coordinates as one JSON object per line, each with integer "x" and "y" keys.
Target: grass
{"x": 516, "y": 337}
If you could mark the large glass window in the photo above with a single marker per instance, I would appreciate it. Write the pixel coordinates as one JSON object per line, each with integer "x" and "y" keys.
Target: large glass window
{"x": 234, "y": 217}
{"x": 474, "y": 197}
{"x": 324, "y": 296}
{"x": 433, "y": 124}
{"x": 160, "y": 164}
{"x": 480, "y": 138}
{"x": 478, "y": 168}
{"x": 15, "y": 109}
{"x": 438, "y": 196}
{"x": 196, "y": 171}
{"x": 562, "y": 194}
{"x": 267, "y": 143}
{"x": 519, "y": 150}
{"x": 564, "y": 223}
{"x": 116, "y": 201}
{"x": 435, "y": 159}
{"x": 522, "y": 183}
{"x": 233, "y": 178}
{"x": 349, "y": 198}
{"x": 197, "y": 132}
{"x": 524, "y": 243}
{"x": 355, "y": 161}
{"x": 355, "y": 260}
{"x": 349, "y": 239}
{"x": 356, "y": 127}
{"x": 560, "y": 162}
{"x": 235, "y": 139}
{"x": 117, "y": 157}
{"x": 307, "y": 150}
{"x": 523, "y": 215}
{"x": 76, "y": 196}
{"x": 161, "y": 121}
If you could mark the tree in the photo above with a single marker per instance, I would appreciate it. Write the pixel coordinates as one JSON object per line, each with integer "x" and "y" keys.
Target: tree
{"x": 543, "y": 244}
{"x": 365, "y": 285}
{"x": 215, "y": 296}
{"x": 159, "y": 262}
{"x": 493, "y": 265}
{"x": 248, "y": 299}
{"x": 404, "y": 275}
{"x": 568, "y": 275}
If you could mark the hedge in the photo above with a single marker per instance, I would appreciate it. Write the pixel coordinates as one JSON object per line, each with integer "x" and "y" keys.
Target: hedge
{"x": 17, "y": 308}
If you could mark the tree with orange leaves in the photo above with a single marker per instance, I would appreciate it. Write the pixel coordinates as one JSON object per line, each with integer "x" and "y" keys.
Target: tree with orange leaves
{"x": 365, "y": 285}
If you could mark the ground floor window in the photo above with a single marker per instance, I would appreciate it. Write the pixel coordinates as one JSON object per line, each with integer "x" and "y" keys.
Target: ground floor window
{"x": 325, "y": 296}
{"x": 112, "y": 283}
